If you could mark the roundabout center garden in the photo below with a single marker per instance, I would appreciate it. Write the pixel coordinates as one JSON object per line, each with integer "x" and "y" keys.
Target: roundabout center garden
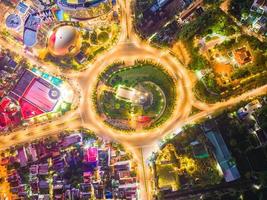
{"x": 138, "y": 97}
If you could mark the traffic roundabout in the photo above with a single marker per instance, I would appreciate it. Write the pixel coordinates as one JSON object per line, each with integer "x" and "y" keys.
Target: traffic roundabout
{"x": 137, "y": 97}
{"x": 115, "y": 84}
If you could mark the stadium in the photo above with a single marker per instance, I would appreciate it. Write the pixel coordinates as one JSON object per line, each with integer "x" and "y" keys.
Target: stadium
{"x": 35, "y": 95}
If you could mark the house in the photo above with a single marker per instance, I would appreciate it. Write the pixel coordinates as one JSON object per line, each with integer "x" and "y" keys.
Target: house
{"x": 85, "y": 192}
{"x": 259, "y": 5}
{"x": 128, "y": 191}
{"x": 14, "y": 179}
{"x": 58, "y": 189}
{"x": 253, "y": 106}
{"x": 194, "y": 9}
{"x": 58, "y": 164}
{"x": 91, "y": 155}
{"x": 75, "y": 193}
{"x": 260, "y": 24}
{"x": 33, "y": 152}
{"x": 4, "y": 121}
{"x": 43, "y": 197}
{"x": 8, "y": 64}
{"x": 257, "y": 16}
{"x": 242, "y": 56}
{"x": 85, "y": 195}
{"x": 122, "y": 166}
{"x": 34, "y": 183}
{"x": 87, "y": 177}
{"x": 5, "y": 102}
{"x": 43, "y": 184}
{"x": 162, "y": 11}
{"x": 103, "y": 158}
{"x": 42, "y": 151}
{"x": 43, "y": 169}
{"x": 71, "y": 140}
{"x": 22, "y": 191}
{"x": 80, "y": 57}
{"x": 33, "y": 170}
{"x": 249, "y": 109}
{"x": 125, "y": 178}
{"x": 22, "y": 156}
{"x": 124, "y": 174}
{"x": 7, "y": 113}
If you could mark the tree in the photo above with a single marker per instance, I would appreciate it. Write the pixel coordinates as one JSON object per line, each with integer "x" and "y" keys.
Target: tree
{"x": 93, "y": 37}
{"x": 263, "y": 118}
{"x": 85, "y": 46}
{"x": 86, "y": 35}
{"x": 239, "y": 8}
{"x": 103, "y": 36}
{"x": 240, "y": 73}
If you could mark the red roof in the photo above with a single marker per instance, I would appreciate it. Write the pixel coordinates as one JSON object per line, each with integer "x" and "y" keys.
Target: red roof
{"x": 91, "y": 155}
{"x": 2, "y": 92}
{"x": 143, "y": 119}
{"x": 242, "y": 56}
{"x": 28, "y": 110}
{"x": 35, "y": 100}
{"x": 38, "y": 94}
{"x": 4, "y": 104}
{"x": 35, "y": 95}
{"x": 4, "y": 120}
{"x": 4, "y": 161}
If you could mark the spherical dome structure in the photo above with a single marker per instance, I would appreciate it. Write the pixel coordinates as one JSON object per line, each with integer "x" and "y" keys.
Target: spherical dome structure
{"x": 64, "y": 40}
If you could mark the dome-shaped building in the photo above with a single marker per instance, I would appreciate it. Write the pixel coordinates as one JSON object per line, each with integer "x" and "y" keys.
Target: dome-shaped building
{"x": 64, "y": 41}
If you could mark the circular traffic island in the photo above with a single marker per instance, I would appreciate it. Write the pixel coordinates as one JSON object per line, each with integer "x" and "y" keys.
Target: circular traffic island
{"x": 134, "y": 98}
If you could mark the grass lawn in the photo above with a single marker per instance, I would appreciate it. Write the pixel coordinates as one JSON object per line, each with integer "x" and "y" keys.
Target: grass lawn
{"x": 113, "y": 107}
{"x": 149, "y": 76}
{"x": 132, "y": 76}
{"x": 158, "y": 100}
{"x": 167, "y": 177}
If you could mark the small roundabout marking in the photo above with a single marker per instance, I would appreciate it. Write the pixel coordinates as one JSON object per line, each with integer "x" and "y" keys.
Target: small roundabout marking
{"x": 54, "y": 93}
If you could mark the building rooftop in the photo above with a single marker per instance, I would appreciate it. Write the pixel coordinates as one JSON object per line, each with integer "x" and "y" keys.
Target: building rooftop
{"x": 242, "y": 56}
{"x": 22, "y": 156}
{"x": 222, "y": 153}
{"x": 91, "y": 155}
{"x": 8, "y": 64}
{"x": 35, "y": 95}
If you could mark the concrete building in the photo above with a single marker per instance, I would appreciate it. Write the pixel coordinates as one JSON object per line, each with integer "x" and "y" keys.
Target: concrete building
{"x": 221, "y": 151}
